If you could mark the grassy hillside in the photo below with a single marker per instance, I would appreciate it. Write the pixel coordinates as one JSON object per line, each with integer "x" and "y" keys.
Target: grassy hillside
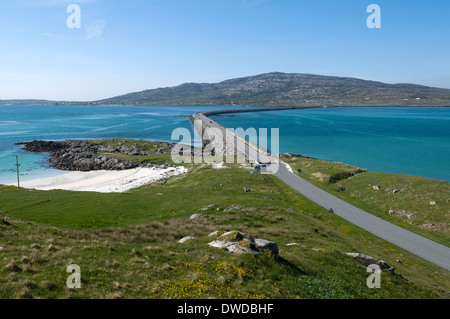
{"x": 127, "y": 244}
{"x": 400, "y": 199}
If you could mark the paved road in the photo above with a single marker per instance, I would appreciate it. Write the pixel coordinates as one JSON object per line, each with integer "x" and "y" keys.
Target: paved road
{"x": 418, "y": 245}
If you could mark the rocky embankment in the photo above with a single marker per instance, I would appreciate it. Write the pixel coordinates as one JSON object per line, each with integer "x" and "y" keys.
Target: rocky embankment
{"x": 82, "y": 155}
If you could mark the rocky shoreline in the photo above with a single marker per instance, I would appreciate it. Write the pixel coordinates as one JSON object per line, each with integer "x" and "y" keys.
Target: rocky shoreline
{"x": 83, "y": 155}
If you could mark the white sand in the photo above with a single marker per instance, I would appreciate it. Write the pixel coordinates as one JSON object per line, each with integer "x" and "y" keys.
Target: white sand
{"x": 104, "y": 181}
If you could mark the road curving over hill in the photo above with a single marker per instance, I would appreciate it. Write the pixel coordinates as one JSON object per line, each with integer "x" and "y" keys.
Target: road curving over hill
{"x": 418, "y": 245}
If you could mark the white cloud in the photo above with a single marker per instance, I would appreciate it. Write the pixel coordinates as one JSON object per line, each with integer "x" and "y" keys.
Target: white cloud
{"x": 95, "y": 29}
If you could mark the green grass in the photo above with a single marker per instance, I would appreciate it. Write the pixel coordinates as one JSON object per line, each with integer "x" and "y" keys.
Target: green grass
{"x": 414, "y": 195}
{"x": 89, "y": 210}
{"x": 148, "y": 146}
{"x": 127, "y": 244}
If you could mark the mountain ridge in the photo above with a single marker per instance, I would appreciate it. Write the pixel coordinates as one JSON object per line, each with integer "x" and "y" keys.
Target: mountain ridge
{"x": 282, "y": 89}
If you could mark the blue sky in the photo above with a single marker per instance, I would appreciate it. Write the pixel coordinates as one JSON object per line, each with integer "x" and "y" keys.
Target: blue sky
{"x": 127, "y": 46}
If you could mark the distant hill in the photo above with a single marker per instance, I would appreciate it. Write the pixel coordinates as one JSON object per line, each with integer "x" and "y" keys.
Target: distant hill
{"x": 283, "y": 89}
{"x": 38, "y": 102}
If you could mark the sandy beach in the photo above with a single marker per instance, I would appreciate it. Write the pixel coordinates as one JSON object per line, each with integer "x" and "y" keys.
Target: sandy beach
{"x": 103, "y": 181}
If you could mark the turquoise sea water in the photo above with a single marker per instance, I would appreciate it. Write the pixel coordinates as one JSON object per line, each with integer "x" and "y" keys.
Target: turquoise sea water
{"x": 22, "y": 123}
{"x": 412, "y": 141}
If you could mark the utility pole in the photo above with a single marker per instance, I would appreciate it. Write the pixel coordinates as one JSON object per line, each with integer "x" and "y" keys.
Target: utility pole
{"x": 18, "y": 174}
{"x": 331, "y": 211}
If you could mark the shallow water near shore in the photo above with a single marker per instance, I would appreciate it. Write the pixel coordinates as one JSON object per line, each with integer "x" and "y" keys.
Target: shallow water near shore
{"x": 412, "y": 141}
{"x": 23, "y": 123}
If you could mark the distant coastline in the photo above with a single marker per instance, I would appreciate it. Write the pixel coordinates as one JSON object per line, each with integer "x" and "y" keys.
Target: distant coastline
{"x": 152, "y": 124}
{"x": 276, "y": 89}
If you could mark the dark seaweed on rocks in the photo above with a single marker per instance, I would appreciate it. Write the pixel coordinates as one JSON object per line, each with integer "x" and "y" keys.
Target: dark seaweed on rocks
{"x": 82, "y": 155}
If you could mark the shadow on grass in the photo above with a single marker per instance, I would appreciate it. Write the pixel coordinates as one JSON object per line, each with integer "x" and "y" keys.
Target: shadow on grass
{"x": 292, "y": 268}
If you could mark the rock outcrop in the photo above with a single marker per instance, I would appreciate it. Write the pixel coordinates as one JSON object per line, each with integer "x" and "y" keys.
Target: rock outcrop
{"x": 239, "y": 243}
{"x": 368, "y": 260}
{"x": 402, "y": 212}
{"x": 83, "y": 155}
{"x": 185, "y": 239}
